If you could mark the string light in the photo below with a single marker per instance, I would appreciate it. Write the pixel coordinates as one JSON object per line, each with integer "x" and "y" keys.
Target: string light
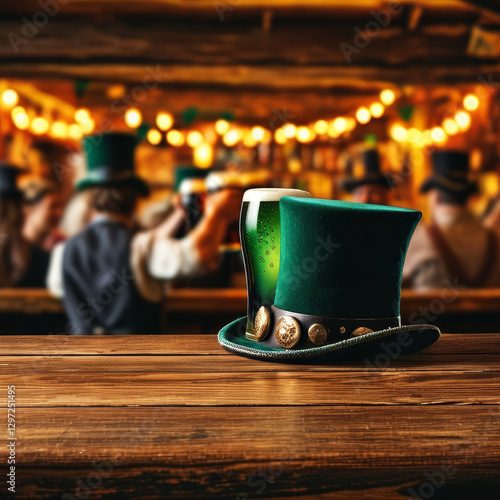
{"x": 450, "y": 127}
{"x": 471, "y": 102}
{"x": 398, "y": 133}
{"x": 289, "y": 130}
{"x": 363, "y": 115}
{"x": 82, "y": 115}
{"x": 195, "y": 138}
{"x": 20, "y": 118}
{"x": 377, "y": 110}
{"x": 463, "y": 120}
{"x": 221, "y": 127}
{"x": 231, "y": 138}
{"x": 164, "y": 121}
{"x": 414, "y": 135}
{"x": 387, "y": 97}
{"x": 438, "y": 135}
{"x": 257, "y": 133}
{"x": 154, "y": 137}
{"x": 59, "y": 130}
{"x": 332, "y": 131}
{"x": 248, "y": 140}
{"x": 175, "y": 138}
{"x": 339, "y": 125}
{"x": 87, "y": 126}
{"x": 133, "y": 117}
{"x": 321, "y": 127}
{"x": 10, "y": 98}
{"x": 279, "y": 136}
{"x": 39, "y": 125}
{"x": 305, "y": 135}
{"x": 203, "y": 155}
{"x": 75, "y": 131}
{"x": 350, "y": 124}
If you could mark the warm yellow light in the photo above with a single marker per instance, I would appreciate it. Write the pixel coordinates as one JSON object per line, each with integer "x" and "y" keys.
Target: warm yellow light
{"x": 471, "y": 102}
{"x": 39, "y": 125}
{"x": 267, "y": 137}
{"x": 59, "y": 129}
{"x": 87, "y": 125}
{"x": 175, "y": 138}
{"x": 20, "y": 118}
{"x": 399, "y": 133}
{"x": 10, "y": 97}
{"x": 164, "y": 121}
{"x": 154, "y": 137}
{"x": 248, "y": 140}
{"x": 221, "y": 127}
{"x": 339, "y": 125}
{"x": 377, "y": 110}
{"x": 438, "y": 135}
{"x": 279, "y": 136}
{"x": 463, "y": 120}
{"x": 450, "y": 127}
{"x": 194, "y": 138}
{"x": 414, "y": 135}
{"x": 305, "y": 135}
{"x": 203, "y": 155}
{"x": 257, "y": 133}
{"x": 75, "y": 131}
{"x": 231, "y": 137}
{"x": 332, "y": 131}
{"x": 289, "y": 130}
{"x": 133, "y": 117}
{"x": 321, "y": 127}
{"x": 426, "y": 137}
{"x": 363, "y": 115}
{"x": 387, "y": 97}
{"x": 81, "y": 115}
{"x": 350, "y": 124}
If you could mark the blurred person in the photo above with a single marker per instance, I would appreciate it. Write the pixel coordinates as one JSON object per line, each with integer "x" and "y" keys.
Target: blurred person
{"x": 372, "y": 186}
{"x": 22, "y": 264}
{"x": 109, "y": 275}
{"x": 42, "y": 213}
{"x": 77, "y": 213}
{"x": 454, "y": 250}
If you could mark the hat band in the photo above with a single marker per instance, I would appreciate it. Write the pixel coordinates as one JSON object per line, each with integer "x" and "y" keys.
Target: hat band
{"x": 290, "y": 329}
{"x": 454, "y": 184}
{"x": 109, "y": 174}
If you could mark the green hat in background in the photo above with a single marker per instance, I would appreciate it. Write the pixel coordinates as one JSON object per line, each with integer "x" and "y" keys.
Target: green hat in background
{"x": 188, "y": 172}
{"x": 110, "y": 162}
{"x": 339, "y": 285}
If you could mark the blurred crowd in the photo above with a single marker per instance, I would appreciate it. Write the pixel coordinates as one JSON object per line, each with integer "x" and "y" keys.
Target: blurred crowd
{"x": 110, "y": 266}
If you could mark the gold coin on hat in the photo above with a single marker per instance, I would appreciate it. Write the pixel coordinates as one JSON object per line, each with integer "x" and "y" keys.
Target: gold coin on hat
{"x": 362, "y": 330}
{"x": 262, "y": 323}
{"x": 287, "y": 332}
{"x": 317, "y": 334}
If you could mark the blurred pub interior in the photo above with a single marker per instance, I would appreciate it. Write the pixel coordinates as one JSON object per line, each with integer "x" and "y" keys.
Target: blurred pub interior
{"x": 291, "y": 91}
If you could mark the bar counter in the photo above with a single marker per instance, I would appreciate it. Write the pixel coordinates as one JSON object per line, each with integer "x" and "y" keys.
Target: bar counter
{"x": 176, "y": 416}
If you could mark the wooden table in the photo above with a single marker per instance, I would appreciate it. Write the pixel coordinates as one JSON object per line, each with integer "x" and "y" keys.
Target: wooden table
{"x": 178, "y": 417}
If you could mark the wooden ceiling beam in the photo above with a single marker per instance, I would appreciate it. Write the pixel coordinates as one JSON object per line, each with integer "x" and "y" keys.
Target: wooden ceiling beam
{"x": 490, "y": 6}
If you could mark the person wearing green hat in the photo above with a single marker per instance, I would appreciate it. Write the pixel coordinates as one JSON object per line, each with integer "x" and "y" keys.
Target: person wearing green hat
{"x": 110, "y": 276}
{"x": 454, "y": 249}
{"x": 22, "y": 264}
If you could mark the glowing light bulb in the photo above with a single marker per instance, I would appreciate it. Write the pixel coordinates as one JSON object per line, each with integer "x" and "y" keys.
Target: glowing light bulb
{"x": 39, "y": 125}
{"x": 154, "y": 137}
{"x": 387, "y": 97}
{"x": 248, "y": 140}
{"x": 75, "y": 131}
{"x": 257, "y": 133}
{"x": 10, "y": 98}
{"x": 351, "y": 124}
{"x": 133, "y": 117}
{"x": 363, "y": 115}
{"x": 289, "y": 130}
{"x": 164, "y": 121}
{"x": 321, "y": 127}
{"x": 377, "y": 110}
{"x": 450, "y": 127}
{"x": 81, "y": 115}
{"x": 305, "y": 135}
{"x": 87, "y": 125}
{"x": 414, "y": 135}
{"x": 20, "y": 118}
{"x": 203, "y": 155}
{"x": 471, "y": 102}
{"x": 340, "y": 125}
{"x": 399, "y": 133}
{"x": 438, "y": 135}
{"x": 175, "y": 138}
{"x": 59, "y": 129}
{"x": 221, "y": 127}
{"x": 463, "y": 120}
{"x": 194, "y": 138}
{"x": 231, "y": 138}
{"x": 279, "y": 136}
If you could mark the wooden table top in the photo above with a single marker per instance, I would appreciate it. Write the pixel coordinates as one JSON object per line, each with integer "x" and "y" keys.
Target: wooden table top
{"x": 233, "y": 300}
{"x": 178, "y": 417}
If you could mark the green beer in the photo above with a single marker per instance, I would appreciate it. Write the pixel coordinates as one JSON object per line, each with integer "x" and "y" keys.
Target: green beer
{"x": 260, "y": 231}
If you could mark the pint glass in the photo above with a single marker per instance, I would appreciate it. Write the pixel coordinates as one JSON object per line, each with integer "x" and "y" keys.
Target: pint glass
{"x": 260, "y": 242}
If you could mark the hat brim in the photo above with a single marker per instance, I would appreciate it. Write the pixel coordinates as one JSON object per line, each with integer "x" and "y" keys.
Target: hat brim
{"x": 433, "y": 182}
{"x": 132, "y": 181}
{"x": 368, "y": 346}
{"x": 351, "y": 183}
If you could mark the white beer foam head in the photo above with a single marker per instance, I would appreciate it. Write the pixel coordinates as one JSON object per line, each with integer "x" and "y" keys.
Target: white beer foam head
{"x": 273, "y": 194}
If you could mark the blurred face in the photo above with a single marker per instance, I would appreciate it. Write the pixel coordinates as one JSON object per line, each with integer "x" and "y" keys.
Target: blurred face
{"x": 45, "y": 215}
{"x": 372, "y": 194}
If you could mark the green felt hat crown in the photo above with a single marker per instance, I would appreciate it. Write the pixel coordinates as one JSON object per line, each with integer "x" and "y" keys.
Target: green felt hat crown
{"x": 110, "y": 161}
{"x": 342, "y": 259}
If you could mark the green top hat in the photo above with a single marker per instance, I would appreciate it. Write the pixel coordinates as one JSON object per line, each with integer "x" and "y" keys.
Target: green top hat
{"x": 339, "y": 284}
{"x": 188, "y": 172}
{"x": 110, "y": 162}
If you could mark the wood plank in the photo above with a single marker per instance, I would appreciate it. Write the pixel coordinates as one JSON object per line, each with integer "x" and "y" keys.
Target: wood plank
{"x": 148, "y": 381}
{"x": 190, "y": 452}
{"x": 193, "y": 345}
